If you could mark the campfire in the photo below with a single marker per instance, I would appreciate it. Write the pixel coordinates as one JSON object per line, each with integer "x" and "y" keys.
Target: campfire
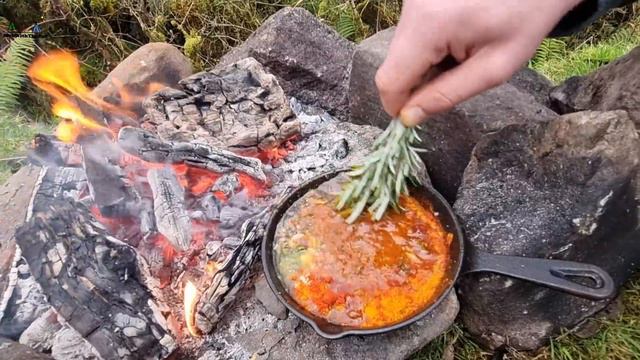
{"x": 150, "y": 206}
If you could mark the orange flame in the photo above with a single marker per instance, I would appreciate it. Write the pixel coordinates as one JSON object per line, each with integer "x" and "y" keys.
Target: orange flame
{"x": 58, "y": 73}
{"x": 67, "y": 132}
{"x": 129, "y": 98}
{"x": 190, "y": 300}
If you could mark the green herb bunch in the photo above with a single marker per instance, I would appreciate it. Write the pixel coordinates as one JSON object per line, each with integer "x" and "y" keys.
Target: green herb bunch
{"x": 380, "y": 181}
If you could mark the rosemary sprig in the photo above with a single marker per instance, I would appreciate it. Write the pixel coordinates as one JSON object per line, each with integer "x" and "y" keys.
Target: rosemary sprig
{"x": 382, "y": 178}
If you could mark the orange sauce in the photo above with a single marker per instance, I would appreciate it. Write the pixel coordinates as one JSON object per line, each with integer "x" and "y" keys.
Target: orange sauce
{"x": 368, "y": 274}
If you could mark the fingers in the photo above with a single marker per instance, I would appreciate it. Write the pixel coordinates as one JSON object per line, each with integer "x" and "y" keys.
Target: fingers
{"x": 482, "y": 71}
{"x": 406, "y": 63}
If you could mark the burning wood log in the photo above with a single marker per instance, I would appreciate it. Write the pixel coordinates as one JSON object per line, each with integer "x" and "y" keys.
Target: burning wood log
{"x": 45, "y": 151}
{"x": 110, "y": 192}
{"x": 60, "y": 183}
{"x": 171, "y": 215}
{"x": 92, "y": 281}
{"x": 239, "y": 106}
{"x": 232, "y": 261}
{"x": 149, "y": 147}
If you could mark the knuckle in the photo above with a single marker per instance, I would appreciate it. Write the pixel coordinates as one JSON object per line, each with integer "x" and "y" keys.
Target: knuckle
{"x": 442, "y": 101}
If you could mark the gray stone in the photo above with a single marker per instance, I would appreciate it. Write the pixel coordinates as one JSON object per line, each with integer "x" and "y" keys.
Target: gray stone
{"x": 364, "y": 100}
{"x": 615, "y": 86}
{"x": 564, "y": 189}
{"x": 310, "y": 60}
{"x": 531, "y": 82}
{"x": 268, "y": 299}
{"x": 249, "y": 332}
{"x": 153, "y": 62}
{"x": 449, "y": 137}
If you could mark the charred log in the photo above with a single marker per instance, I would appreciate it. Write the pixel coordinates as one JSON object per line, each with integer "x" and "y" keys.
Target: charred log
{"x": 60, "y": 183}
{"x": 227, "y": 184}
{"x": 41, "y": 333}
{"x": 46, "y": 150}
{"x": 149, "y": 147}
{"x": 232, "y": 260}
{"x": 206, "y": 208}
{"x": 171, "y": 216}
{"x": 15, "y": 199}
{"x": 239, "y": 106}
{"x": 110, "y": 192}
{"x": 15, "y": 351}
{"x": 69, "y": 344}
{"x": 93, "y": 281}
{"x": 21, "y": 299}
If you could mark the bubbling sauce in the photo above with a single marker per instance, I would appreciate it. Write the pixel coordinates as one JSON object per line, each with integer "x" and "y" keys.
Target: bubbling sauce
{"x": 368, "y": 274}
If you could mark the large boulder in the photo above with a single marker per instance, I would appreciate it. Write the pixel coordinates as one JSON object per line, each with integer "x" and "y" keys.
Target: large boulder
{"x": 615, "y": 86}
{"x": 532, "y": 82}
{"x": 310, "y": 59}
{"x": 151, "y": 63}
{"x": 563, "y": 189}
{"x": 447, "y": 138}
{"x": 364, "y": 101}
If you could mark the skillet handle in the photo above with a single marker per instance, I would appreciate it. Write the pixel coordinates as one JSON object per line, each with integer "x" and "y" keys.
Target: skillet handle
{"x": 555, "y": 274}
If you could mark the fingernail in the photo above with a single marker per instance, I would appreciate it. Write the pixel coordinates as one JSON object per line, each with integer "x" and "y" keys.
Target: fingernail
{"x": 412, "y": 116}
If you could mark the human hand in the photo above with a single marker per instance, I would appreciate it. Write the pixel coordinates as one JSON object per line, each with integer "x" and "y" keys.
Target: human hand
{"x": 489, "y": 39}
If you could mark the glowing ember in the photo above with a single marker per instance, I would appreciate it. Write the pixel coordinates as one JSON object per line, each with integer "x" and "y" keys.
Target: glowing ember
{"x": 253, "y": 187}
{"x": 190, "y": 300}
{"x": 274, "y": 155}
{"x": 168, "y": 251}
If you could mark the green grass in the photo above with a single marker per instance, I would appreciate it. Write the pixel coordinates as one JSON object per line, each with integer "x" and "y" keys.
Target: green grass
{"x": 455, "y": 342}
{"x": 558, "y": 60}
{"x": 15, "y": 134}
{"x": 617, "y": 338}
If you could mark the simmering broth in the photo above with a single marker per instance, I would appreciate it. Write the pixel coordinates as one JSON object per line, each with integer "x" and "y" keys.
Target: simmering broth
{"x": 367, "y": 274}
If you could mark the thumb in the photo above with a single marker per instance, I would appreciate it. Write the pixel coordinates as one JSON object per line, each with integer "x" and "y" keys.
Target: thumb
{"x": 482, "y": 71}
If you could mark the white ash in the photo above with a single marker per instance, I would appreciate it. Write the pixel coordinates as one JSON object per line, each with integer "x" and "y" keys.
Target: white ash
{"x": 42, "y": 332}
{"x": 27, "y": 303}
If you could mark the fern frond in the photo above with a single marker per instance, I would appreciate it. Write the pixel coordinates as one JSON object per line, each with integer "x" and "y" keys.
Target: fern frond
{"x": 550, "y": 49}
{"x": 347, "y": 24}
{"x": 13, "y": 71}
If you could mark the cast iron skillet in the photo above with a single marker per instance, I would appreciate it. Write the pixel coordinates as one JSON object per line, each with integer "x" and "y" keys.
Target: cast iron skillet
{"x": 555, "y": 274}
